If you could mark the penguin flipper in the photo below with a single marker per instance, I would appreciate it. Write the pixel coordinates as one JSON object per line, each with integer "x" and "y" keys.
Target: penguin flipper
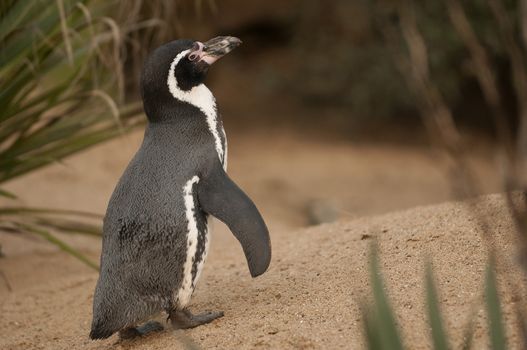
{"x": 219, "y": 196}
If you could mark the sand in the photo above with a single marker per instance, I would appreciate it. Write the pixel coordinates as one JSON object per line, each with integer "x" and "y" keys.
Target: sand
{"x": 310, "y": 297}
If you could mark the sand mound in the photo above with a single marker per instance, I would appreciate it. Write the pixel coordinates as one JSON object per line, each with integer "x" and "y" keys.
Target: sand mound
{"x": 309, "y": 298}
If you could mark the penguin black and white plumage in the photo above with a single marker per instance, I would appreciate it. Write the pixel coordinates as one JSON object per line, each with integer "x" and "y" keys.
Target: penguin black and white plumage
{"x": 156, "y": 233}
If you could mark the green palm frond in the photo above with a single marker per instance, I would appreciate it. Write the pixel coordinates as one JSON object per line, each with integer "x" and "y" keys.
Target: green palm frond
{"x": 54, "y": 101}
{"x": 61, "y": 78}
{"x": 63, "y": 89}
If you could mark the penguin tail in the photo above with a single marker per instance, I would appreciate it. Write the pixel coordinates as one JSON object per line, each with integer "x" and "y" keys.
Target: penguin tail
{"x": 99, "y": 331}
{"x": 106, "y": 320}
{"x": 109, "y": 319}
{"x": 103, "y": 325}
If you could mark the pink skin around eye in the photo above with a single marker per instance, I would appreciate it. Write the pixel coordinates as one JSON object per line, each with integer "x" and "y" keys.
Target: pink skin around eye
{"x": 197, "y": 54}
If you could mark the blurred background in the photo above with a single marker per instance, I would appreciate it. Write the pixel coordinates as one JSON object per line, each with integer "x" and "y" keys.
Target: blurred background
{"x": 334, "y": 110}
{"x": 329, "y": 106}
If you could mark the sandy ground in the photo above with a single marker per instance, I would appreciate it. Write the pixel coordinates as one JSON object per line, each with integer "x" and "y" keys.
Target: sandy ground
{"x": 310, "y": 297}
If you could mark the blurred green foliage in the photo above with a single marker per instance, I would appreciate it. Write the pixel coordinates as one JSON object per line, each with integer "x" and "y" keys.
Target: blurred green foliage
{"x": 345, "y": 59}
{"x": 62, "y": 91}
{"x": 381, "y": 330}
{"x": 64, "y": 69}
{"x": 61, "y": 82}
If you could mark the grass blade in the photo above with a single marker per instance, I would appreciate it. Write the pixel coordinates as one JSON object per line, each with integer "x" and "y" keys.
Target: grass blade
{"x": 60, "y": 244}
{"x": 468, "y": 334}
{"x": 496, "y": 329}
{"x": 32, "y": 210}
{"x": 387, "y": 327}
{"x": 69, "y": 226}
{"x": 14, "y": 17}
{"x": 65, "y": 30}
{"x": 522, "y": 325}
{"x": 7, "y": 194}
{"x": 439, "y": 336}
{"x": 371, "y": 329}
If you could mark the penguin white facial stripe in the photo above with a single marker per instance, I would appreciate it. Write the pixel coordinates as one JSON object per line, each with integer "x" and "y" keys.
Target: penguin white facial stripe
{"x": 199, "y": 96}
{"x": 185, "y": 291}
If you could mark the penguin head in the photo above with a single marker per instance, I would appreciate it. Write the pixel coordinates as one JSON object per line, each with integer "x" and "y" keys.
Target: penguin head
{"x": 182, "y": 64}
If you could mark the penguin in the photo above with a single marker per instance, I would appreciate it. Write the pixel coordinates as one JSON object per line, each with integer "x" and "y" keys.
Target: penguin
{"x": 156, "y": 231}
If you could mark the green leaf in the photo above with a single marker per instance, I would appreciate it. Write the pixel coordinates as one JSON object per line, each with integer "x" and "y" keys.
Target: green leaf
{"x": 468, "y": 334}
{"x": 70, "y": 226}
{"x": 15, "y": 167}
{"x": 46, "y": 211}
{"x": 386, "y": 325}
{"x": 522, "y": 324}
{"x": 56, "y": 59}
{"x": 7, "y": 194}
{"x": 60, "y": 244}
{"x": 15, "y": 17}
{"x": 371, "y": 328}
{"x": 31, "y": 41}
{"x": 496, "y": 328}
{"x": 439, "y": 336}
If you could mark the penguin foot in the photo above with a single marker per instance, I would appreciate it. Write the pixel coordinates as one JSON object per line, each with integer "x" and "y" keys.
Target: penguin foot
{"x": 147, "y": 328}
{"x": 183, "y": 319}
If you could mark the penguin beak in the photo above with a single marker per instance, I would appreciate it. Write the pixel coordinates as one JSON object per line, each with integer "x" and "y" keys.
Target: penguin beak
{"x": 214, "y": 49}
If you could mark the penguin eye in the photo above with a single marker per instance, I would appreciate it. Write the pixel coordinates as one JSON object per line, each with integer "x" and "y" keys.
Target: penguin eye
{"x": 196, "y": 51}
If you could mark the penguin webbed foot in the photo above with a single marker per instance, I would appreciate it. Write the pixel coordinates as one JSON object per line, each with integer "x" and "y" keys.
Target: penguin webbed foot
{"x": 183, "y": 319}
{"x": 134, "y": 332}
